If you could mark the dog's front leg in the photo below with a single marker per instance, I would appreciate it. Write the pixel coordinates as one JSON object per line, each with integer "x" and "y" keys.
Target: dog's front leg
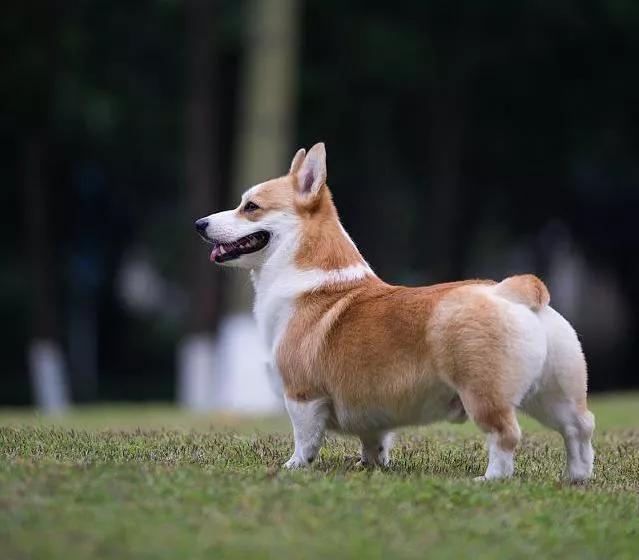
{"x": 376, "y": 449}
{"x": 309, "y": 421}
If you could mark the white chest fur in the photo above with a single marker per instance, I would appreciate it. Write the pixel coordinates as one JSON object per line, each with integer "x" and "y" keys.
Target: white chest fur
{"x": 279, "y": 283}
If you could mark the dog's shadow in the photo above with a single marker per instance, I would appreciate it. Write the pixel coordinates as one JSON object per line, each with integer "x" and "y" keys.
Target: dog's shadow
{"x": 416, "y": 455}
{"x": 408, "y": 458}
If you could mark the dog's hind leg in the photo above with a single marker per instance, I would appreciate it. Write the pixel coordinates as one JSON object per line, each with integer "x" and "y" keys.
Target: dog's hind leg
{"x": 574, "y": 422}
{"x": 490, "y": 351}
{"x": 498, "y": 420}
{"x": 560, "y": 401}
{"x": 376, "y": 449}
{"x": 309, "y": 422}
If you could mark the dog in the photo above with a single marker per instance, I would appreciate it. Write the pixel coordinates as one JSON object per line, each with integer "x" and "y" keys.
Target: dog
{"x": 364, "y": 357}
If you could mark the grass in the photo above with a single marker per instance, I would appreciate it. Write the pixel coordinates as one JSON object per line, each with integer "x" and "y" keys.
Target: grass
{"x": 154, "y": 482}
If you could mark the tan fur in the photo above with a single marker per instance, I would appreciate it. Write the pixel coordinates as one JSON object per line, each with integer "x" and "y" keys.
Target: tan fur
{"x": 526, "y": 289}
{"x": 337, "y": 342}
{"x": 322, "y": 243}
{"x": 469, "y": 339}
{"x": 275, "y": 194}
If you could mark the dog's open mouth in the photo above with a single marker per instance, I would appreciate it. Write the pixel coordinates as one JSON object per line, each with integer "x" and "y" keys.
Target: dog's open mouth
{"x": 223, "y": 252}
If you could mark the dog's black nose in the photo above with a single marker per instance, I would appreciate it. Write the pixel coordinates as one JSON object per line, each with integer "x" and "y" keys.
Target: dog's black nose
{"x": 201, "y": 225}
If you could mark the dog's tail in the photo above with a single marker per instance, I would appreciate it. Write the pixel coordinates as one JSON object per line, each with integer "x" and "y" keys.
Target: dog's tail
{"x": 525, "y": 289}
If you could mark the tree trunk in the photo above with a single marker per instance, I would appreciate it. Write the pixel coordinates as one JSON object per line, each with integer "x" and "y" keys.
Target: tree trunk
{"x": 196, "y": 356}
{"x": 267, "y": 108}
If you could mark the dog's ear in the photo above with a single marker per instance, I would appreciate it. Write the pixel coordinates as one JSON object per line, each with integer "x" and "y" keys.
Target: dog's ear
{"x": 312, "y": 173}
{"x": 298, "y": 159}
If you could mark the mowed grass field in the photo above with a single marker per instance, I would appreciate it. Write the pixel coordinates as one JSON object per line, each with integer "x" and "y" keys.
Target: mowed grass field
{"x": 154, "y": 482}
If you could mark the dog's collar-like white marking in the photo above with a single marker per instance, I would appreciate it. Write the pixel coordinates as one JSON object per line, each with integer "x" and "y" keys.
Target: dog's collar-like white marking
{"x": 314, "y": 279}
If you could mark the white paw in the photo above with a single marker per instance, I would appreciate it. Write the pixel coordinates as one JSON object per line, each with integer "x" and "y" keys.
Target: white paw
{"x": 578, "y": 476}
{"x": 379, "y": 462}
{"x": 492, "y": 477}
{"x": 294, "y": 463}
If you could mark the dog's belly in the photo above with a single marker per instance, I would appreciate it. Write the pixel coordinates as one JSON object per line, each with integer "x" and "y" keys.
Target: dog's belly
{"x": 435, "y": 403}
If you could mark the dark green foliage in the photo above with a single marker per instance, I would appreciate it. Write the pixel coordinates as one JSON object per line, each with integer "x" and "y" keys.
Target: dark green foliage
{"x": 467, "y": 128}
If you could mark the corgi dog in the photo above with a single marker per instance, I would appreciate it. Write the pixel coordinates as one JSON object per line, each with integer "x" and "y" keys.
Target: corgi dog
{"x": 363, "y": 357}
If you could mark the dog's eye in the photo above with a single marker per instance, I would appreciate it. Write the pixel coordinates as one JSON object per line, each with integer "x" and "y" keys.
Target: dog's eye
{"x": 251, "y": 207}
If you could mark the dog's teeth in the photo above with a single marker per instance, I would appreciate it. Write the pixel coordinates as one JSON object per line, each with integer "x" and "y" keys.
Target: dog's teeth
{"x": 222, "y": 251}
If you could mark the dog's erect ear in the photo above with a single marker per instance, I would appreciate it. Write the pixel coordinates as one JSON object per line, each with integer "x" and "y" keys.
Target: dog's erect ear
{"x": 312, "y": 173}
{"x": 298, "y": 159}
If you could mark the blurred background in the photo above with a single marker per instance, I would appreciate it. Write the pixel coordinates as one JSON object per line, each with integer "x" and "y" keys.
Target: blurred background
{"x": 465, "y": 139}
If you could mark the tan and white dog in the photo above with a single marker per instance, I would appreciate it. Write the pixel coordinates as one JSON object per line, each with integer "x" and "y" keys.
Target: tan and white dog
{"x": 363, "y": 357}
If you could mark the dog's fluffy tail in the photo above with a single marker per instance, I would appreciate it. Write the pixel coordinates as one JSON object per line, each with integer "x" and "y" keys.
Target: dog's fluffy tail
{"x": 525, "y": 289}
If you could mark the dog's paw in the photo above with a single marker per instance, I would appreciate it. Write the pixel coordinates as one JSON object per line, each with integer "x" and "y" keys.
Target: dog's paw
{"x": 578, "y": 475}
{"x": 498, "y": 478}
{"x": 294, "y": 463}
{"x": 380, "y": 462}
{"x": 577, "y": 479}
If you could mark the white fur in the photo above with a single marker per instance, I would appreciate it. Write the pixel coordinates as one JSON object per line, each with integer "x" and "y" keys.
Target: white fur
{"x": 309, "y": 421}
{"x": 500, "y": 462}
{"x": 229, "y": 226}
{"x": 527, "y": 345}
{"x": 552, "y": 400}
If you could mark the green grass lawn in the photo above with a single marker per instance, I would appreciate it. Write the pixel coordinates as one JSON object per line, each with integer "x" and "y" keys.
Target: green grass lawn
{"x": 155, "y": 482}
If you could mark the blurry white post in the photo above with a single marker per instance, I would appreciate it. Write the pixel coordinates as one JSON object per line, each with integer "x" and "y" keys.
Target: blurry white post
{"x": 265, "y": 134}
{"x": 196, "y": 364}
{"x": 48, "y": 376}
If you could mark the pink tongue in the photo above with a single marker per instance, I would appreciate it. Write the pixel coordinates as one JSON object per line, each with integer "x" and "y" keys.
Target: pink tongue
{"x": 215, "y": 252}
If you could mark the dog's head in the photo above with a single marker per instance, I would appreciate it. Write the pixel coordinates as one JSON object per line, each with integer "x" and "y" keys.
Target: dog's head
{"x": 269, "y": 214}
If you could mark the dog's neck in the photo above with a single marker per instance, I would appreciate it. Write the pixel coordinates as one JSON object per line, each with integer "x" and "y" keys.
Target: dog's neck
{"x": 282, "y": 278}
